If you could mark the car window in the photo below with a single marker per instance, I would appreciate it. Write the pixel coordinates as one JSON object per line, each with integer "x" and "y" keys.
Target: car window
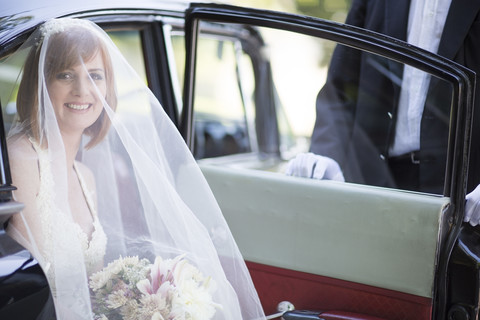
{"x": 334, "y": 101}
{"x": 128, "y": 42}
{"x": 177, "y": 59}
{"x": 225, "y": 106}
{"x": 221, "y": 103}
{"x": 10, "y": 70}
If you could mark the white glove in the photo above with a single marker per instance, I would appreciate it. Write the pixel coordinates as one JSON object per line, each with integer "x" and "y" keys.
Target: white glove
{"x": 309, "y": 165}
{"x": 472, "y": 207}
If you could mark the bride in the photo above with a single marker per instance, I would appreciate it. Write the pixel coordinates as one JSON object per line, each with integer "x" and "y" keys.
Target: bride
{"x": 116, "y": 212}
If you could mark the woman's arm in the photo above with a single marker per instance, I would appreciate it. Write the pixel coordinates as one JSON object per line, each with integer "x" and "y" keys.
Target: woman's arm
{"x": 25, "y": 226}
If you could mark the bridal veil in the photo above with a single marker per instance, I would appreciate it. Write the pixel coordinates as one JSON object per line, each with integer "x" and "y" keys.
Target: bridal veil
{"x": 150, "y": 196}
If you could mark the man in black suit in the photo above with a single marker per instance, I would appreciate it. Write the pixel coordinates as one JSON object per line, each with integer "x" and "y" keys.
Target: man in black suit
{"x": 357, "y": 109}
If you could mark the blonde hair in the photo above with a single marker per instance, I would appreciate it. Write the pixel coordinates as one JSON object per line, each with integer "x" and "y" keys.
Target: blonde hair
{"x": 65, "y": 49}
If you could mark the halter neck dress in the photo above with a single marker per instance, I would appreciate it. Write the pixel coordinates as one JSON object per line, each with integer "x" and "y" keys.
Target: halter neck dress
{"x": 61, "y": 234}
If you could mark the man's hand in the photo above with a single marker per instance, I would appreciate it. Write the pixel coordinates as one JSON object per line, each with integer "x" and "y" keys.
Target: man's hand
{"x": 472, "y": 207}
{"x": 309, "y": 165}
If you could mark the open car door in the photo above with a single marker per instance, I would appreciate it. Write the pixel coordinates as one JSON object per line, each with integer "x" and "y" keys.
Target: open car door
{"x": 343, "y": 249}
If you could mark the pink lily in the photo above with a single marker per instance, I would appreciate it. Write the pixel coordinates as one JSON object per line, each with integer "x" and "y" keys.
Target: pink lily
{"x": 160, "y": 273}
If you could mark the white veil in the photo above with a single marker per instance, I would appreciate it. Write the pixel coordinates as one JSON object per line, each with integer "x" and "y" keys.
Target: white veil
{"x": 136, "y": 174}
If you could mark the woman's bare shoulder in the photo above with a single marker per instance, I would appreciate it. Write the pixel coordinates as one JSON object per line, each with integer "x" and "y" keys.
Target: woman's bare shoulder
{"x": 20, "y": 148}
{"x": 23, "y": 160}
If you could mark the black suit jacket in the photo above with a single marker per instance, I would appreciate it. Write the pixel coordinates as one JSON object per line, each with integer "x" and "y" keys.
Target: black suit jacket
{"x": 356, "y": 109}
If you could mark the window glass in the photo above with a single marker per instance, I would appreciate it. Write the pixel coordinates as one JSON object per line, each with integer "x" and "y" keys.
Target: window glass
{"x": 129, "y": 43}
{"x": 222, "y": 101}
{"x": 224, "y": 116}
{"x": 10, "y": 71}
{"x": 338, "y": 102}
{"x": 178, "y": 45}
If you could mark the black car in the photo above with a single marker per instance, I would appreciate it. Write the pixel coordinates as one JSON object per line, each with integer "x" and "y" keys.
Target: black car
{"x": 240, "y": 85}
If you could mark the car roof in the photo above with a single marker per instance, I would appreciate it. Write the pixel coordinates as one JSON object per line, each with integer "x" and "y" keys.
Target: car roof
{"x": 19, "y": 16}
{"x": 65, "y": 7}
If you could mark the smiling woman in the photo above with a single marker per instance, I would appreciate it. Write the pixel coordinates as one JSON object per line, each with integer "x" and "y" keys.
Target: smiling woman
{"x": 76, "y": 82}
{"x": 116, "y": 212}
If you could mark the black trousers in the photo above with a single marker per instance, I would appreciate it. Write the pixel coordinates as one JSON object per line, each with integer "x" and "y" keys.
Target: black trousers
{"x": 405, "y": 170}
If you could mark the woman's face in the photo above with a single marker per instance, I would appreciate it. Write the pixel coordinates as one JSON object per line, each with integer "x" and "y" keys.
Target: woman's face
{"x": 77, "y": 93}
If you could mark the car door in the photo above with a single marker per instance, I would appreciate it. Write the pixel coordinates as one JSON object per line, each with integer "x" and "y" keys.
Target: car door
{"x": 352, "y": 248}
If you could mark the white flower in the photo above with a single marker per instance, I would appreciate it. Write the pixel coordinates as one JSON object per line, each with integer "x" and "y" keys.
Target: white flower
{"x": 116, "y": 299}
{"x": 98, "y": 280}
{"x": 195, "y": 300}
{"x": 130, "y": 310}
{"x": 157, "y": 316}
{"x": 167, "y": 289}
{"x": 130, "y": 261}
{"x": 194, "y": 297}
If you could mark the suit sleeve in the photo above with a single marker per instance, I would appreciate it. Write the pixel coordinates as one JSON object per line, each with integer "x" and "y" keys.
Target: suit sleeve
{"x": 336, "y": 101}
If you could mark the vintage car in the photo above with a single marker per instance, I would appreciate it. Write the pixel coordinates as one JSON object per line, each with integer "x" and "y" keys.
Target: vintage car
{"x": 240, "y": 84}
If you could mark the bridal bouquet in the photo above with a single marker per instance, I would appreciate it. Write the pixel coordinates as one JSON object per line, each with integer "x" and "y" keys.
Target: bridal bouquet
{"x": 134, "y": 289}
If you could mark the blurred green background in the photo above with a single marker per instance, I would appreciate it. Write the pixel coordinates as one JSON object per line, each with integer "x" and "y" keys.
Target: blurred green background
{"x": 335, "y": 10}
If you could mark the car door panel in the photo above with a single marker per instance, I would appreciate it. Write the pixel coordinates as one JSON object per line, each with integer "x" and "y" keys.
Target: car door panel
{"x": 323, "y": 294}
{"x": 388, "y": 243}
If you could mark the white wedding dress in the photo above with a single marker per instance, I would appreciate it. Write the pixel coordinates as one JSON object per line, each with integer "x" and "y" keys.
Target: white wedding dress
{"x": 71, "y": 234}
